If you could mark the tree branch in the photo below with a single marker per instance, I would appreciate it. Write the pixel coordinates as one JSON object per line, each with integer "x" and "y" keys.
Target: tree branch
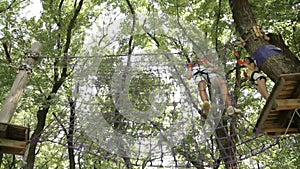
{"x": 130, "y": 45}
{"x": 43, "y": 110}
{"x": 7, "y": 53}
{"x": 70, "y": 133}
{"x": 217, "y": 25}
{"x": 71, "y": 26}
{"x": 68, "y": 40}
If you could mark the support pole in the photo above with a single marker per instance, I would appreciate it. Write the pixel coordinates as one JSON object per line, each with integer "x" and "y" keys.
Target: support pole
{"x": 10, "y": 104}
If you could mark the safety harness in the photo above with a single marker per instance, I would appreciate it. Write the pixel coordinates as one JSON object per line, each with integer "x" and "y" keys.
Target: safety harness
{"x": 203, "y": 73}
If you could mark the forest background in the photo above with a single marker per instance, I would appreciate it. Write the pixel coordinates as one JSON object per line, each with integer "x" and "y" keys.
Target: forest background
{"x": 66, "y": 29}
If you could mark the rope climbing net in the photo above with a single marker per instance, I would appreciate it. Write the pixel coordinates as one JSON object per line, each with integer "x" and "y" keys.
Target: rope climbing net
{"x": 143, "y": 109}
{"x": 140, "y": 107}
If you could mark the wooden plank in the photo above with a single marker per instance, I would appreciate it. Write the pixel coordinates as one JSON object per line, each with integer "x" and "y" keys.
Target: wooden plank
{"x": 290, "y": 83}
{"x": 296, "y": 94}
{"x": 273, "y": 115}
{"x": 14, "y": 132}
{"x": 285, "y": 94}
{"x": 279, "y": 131}
{"x": 271, "y": 118}
{"x": 14, "y": 139}
{"x": 284, "y": 98}
{"x": 269, "y": 123}
{"x": 293, "y": 90}
{"x": 273, "y": 111}
{"x": 12, "y": 146}
{"x": 291, "y": 76}
{"x": 287, "y": 104}
{"x": 14, "y": 151}
{"x": 272, "y": 125}
{"x": 17, "y": 134}
{"x": 297, "y": 91}
{"x": 289, "y": 87}
{"x": 266, "y": 110}
{"x": 12, "y": 143}
{"x": 3, "y": 133}
{"x": 286, "y": 117}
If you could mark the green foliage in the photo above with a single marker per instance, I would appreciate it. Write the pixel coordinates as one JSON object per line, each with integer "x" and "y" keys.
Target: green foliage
{"x": 51, "y": 29}
{"x": 141, "y": 86}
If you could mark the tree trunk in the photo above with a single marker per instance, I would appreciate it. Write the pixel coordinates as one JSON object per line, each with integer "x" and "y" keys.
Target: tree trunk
{"x": 278, "y": 41}
{"x": 274, "y": 65}
{"x": 70, "y": 135}
{"x": 41, "y": 115}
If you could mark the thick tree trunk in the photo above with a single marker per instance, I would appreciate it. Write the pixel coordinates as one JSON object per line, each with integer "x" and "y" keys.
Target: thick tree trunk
{"x": 278, "y": 41}
{"x": 274, "y": 65}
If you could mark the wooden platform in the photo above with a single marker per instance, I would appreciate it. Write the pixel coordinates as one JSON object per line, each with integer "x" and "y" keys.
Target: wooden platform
{"x": 14, "y": 139}
{"x": 283, "y": 100}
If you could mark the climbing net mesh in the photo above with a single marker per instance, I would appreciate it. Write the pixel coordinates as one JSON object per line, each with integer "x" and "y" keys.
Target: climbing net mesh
{"x": 142, "y": 109}
{"x": 146, "y": 111}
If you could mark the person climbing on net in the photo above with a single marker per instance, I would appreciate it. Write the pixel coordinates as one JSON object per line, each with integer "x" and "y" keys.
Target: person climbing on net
{"x": 205, "y": 75}
{"x": 253, "y": 74}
